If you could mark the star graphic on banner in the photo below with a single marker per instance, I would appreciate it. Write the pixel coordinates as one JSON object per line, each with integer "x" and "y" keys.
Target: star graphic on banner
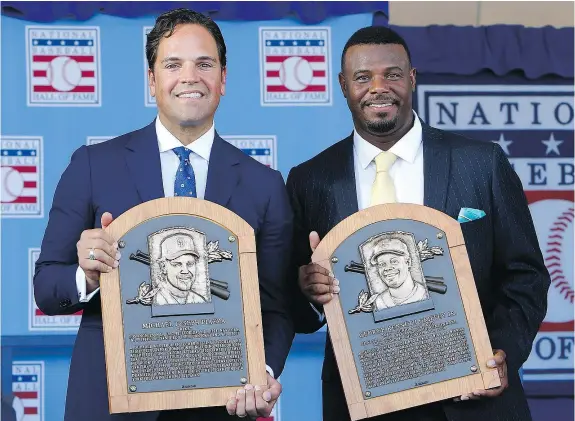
{"x": 503, "y": 143}
{"x": 552, "y": 145}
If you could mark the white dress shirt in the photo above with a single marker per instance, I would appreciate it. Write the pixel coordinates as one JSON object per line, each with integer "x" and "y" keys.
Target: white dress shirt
{"x": 406, "y": 172}
{"x": 169, "y": 161}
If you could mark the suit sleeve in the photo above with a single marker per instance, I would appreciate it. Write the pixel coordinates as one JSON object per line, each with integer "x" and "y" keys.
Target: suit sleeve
{"x": 306, "y": 318}
{"x": 274, "y": 243}
{"x": 55, "y": 289}
{"x": 523, "y": 278}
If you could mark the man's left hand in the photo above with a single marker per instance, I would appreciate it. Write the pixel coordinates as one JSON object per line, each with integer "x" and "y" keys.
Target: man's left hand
{"x": 498, "y": 361}
{"x": 255, "y": 401}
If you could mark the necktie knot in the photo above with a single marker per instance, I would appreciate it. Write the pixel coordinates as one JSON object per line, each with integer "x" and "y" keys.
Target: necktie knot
{"x": 384, "y": 161}
{"x": 182, "y": 153}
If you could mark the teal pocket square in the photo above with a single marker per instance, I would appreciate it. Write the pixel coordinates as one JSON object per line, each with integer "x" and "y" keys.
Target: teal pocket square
{"x": 469, "y": 214}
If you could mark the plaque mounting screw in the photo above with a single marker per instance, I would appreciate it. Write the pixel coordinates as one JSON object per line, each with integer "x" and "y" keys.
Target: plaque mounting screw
{"x": 440, "y": 236}
{"x": 473, "y": 368}
{"x": 231, "y": 238}
{"x": 243, "y": 380}
{"x": 133, "y": 388}
{"x": 121, "y": 244}
{"x": 334, "y": 260}
{"x": 367, "y": 394}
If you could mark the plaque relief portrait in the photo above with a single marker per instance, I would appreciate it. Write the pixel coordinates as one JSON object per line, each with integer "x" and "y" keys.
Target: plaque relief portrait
{"x": 396, "y": 284}
{"x": 178, "y": 258}
{"x": 179, "y": 267}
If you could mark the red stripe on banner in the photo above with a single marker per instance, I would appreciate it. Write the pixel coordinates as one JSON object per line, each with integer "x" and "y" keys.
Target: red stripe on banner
{"x": 30, "y": 411}
{"x": 557, "y": 327}
{"x": 276, "y": 73}
{"x": 40, "y": 73}
{"x": 536, "y": 195}
{"x": 310, "y": 88}
{"x": 25, "y": 199}
{"x": 38, "y": 312}
{"x": 26, "y": 395}
{"x": 280, "y": 59}
{"x": 79, "y": 59}
{"x": 25, "y": 168}
{"x": 88, "y": 73}
{"x": 29, "y": 184}
{"x": 77, "y": 89}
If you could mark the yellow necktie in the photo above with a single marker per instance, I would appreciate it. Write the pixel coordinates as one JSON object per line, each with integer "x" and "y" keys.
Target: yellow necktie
{"x": 383, "y": 190}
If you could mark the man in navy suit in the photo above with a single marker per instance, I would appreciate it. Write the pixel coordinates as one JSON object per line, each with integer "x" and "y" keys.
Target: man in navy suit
{"x": 179, "y": 153}
{"x": 392, "y": 156}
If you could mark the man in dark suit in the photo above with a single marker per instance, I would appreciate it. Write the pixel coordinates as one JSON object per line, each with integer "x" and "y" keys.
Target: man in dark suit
{"x": 392, "y": 156}
{"x": 180, "y": 153}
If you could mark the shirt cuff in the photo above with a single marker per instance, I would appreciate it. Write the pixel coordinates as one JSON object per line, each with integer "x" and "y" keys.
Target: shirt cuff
{"x": 270, "y": 371}
{"x": 319, "y": 315}
{"x": 81, "y": 286}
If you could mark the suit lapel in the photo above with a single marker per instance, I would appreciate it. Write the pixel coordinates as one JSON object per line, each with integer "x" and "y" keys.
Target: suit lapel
{"x": 223, "y": 172}
{"x": 344, "y": 192}
{"x": 436, "y": 168}
{"x": 143, "y": 161}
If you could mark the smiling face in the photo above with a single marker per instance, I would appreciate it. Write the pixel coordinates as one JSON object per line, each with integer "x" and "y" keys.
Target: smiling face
{"x": 393, "y": 269}
{"x": 181, "y": 271}
{"x": 377, "y": 80}
{"x": 188, "y": 78}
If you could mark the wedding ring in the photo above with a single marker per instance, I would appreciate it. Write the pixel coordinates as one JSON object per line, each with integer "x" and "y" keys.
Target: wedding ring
{"x": 91, "y": 256}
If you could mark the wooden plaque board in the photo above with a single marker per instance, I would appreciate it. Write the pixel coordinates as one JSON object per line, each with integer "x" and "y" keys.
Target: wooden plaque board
{"x": 355, "y": 252}
{"x": 224, "y": 246}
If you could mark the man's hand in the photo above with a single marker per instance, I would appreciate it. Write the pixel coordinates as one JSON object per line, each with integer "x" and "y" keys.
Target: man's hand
{"x": 255, "y": 401}
{"x": 104, "y": 249}
{"x": 498, "y": 361}
{"x": 317, "y": 283}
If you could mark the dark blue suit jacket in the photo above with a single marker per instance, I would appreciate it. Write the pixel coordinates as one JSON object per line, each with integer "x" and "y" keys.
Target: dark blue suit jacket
{"x": 121, "y": 173}
{"x": 507, "y": 264}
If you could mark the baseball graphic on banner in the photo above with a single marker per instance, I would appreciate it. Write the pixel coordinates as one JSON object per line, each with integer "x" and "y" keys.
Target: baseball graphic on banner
{"x": 12, "y": 184}
{"x": 553, "y": 220}
{"x": 296, "y": 73}
{"x": 64, "y": 73}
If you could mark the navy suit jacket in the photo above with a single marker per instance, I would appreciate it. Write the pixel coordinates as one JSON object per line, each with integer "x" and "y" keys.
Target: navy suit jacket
{"x": 504, "y": 253}
{"x": 121, "y": 173}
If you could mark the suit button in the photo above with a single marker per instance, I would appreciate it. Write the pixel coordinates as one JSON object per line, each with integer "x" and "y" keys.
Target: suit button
{"x": 65, "y": 303}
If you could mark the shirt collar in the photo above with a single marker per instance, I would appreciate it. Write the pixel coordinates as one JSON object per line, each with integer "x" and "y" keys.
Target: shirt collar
{"x": 202, "y": 146}
{"x": 405, "y": 148}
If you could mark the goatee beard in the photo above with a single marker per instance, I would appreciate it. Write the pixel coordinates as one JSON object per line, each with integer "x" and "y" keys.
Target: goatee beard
{"x": 381, "y": 126}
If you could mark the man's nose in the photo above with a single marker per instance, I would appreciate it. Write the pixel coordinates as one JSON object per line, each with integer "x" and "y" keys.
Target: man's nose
{"x": 378, "y": 84}
{"x": 189, "y": 73}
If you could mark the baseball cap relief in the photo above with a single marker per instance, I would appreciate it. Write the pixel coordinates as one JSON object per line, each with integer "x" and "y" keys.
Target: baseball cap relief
{"x": 177, "y": 245}
{"x": 389, "y": 245}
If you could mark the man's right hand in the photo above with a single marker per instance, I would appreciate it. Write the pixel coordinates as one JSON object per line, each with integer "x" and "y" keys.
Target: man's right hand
{"x": 317, "y": 283}
{"x": 105, "y": 249}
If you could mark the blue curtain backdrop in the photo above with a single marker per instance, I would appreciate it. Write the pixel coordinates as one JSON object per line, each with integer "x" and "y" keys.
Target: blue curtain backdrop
{"x": 503, "y": 64}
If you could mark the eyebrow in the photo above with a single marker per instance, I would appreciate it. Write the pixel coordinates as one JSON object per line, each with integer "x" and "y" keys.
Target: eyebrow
{"x": 387, "y": 69}
{"x": 201, "y": 58}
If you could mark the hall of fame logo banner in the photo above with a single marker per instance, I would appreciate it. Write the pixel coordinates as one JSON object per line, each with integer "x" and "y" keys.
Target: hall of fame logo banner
{"x": 149, "y": 101}
{"x": 63, "y": 66}
{"x": 22, "y": 177}
{"x": 261, "y": 148}
{"x": 28, "y": 390}
{"x": 295, "y": 66}
{"x": 38, "y": 321}
{"x": 533, "y": 124}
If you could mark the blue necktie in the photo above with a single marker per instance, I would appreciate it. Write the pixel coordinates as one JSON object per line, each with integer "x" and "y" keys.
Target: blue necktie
{"x": 185, "y": 184}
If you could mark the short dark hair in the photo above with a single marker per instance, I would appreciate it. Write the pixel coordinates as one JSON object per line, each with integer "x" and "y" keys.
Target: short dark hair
{"x": 166, "y": 24}
{"x": 374, "y": 35}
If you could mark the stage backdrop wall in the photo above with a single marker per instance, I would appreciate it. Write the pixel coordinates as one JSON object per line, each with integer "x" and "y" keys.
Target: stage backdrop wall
{"x": 53, "y": 105}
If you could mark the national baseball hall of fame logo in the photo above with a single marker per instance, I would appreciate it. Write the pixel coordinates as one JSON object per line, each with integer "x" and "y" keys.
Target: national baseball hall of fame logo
{"x": 28, "y": 390}
{"x": 38, "y": 321}
{"x": 22, "y": 176}
{"x": 261, "y": 148}
{"x": 63, "y": 66}
{"x": 533, "y": 124}
{"x": 295, "y": 66}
